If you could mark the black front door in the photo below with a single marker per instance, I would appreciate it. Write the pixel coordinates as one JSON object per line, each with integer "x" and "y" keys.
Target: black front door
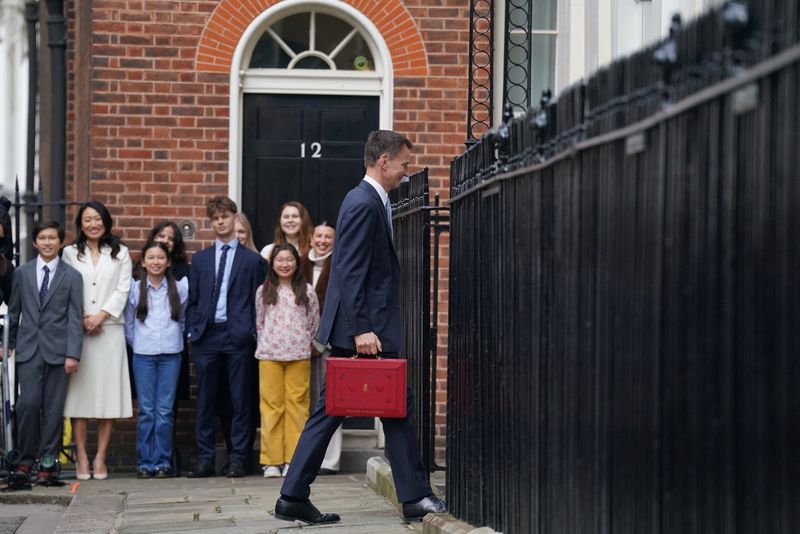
{"x": 308, "y": 148}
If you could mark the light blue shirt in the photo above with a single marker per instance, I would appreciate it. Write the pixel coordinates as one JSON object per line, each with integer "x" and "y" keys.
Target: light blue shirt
{"x": 221, "y": 313}
{"x": 158, "y": 334}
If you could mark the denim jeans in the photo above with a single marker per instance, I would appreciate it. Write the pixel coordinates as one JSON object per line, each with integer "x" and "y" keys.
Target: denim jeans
{"x": 156, "y": 384}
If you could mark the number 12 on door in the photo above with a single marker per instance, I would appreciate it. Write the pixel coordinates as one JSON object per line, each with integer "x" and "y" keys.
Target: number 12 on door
{"x": 316, "y": 150}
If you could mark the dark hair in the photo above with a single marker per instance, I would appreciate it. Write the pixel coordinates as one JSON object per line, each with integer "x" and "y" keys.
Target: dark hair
{"x": 383, "y": 142}
{"x": 220, "y": 203}
{"x": 108, "y": 238}
{"x": 306, "y": 227}
{"x": 270, "y": 291}
{"x": 178, "y": 254}
{"x": 172, "y": 288}
{"x": 46, "y": 226}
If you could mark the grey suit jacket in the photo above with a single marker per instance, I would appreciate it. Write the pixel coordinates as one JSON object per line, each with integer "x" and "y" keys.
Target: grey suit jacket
{"x": 55, "y": 327}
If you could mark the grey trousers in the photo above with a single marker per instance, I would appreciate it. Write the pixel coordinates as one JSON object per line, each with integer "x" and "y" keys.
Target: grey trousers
{"x": 40, "y": 407}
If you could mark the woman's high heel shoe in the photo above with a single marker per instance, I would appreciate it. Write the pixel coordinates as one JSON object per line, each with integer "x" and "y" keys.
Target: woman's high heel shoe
{"x": 98, "y": 475}
{"x": 82, "y": 476}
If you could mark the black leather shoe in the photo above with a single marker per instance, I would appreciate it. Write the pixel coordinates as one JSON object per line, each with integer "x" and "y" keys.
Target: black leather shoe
{"x": 235, "y": 470}
{"x": 303, "y": 511}
{"x": 144, "y": 473}
{"x": 202, "y": 470}
{"x": 429, "y": 505}
{"x": 162, "y": 472}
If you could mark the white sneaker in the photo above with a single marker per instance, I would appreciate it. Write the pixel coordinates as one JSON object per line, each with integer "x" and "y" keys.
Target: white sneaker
{"x": 272, "y": 471}
{"x": 285, "y": 470}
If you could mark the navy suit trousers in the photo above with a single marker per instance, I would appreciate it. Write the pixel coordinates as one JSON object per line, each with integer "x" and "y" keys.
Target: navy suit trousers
{"x": 210, "y": 354}
{"x": 410, "y": 477}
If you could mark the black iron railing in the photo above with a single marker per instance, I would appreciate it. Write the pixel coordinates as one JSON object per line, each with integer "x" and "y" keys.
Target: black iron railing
{"x": 417, "y": 222}
{"x": 625, "y": 295}
{"x": 481, "y": 57}
{"x": 30, "y": 206}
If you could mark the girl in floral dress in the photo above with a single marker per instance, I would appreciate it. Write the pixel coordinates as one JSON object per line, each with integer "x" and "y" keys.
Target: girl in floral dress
{"x": 287, "y": 319}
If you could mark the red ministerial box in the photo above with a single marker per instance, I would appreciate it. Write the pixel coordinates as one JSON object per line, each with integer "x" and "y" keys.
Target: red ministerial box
{"x": 366, "y": 387}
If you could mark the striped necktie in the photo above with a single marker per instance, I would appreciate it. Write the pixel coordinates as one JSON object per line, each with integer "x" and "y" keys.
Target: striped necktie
{"x": 223, "y": 258}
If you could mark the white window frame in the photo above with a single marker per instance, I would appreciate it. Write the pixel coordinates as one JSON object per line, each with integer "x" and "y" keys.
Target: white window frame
{"x": 498, "y": 66}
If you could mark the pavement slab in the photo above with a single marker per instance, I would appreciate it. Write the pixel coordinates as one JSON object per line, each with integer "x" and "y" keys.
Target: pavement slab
{"x": 123, "y": 504}
{"x": 23, "y": 516}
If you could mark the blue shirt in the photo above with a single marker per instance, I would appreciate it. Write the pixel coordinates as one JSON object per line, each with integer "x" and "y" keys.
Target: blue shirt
{"x": 158, "y": 334}
{"x": 221, "y": 313}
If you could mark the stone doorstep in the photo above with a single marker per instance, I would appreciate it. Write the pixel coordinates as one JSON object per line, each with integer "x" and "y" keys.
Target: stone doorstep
{"x": 379, "y": 478}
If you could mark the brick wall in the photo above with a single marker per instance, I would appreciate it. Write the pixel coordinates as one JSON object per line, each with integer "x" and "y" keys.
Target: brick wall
{"x": 157, "y": 140}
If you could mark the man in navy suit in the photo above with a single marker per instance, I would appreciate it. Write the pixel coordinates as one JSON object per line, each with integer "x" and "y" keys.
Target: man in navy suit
{"x": 221, "y": 327}
{"x": 362, "y": 314}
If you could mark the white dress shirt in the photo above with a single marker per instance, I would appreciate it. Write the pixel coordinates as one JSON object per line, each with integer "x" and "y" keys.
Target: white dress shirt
{"x": 51, "y": 265}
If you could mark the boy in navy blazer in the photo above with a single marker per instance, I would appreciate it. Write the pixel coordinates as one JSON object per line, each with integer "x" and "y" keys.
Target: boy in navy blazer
{"x": 221, "y": 328}
{"x": 45, "y": 317}
{"x": 362, "y": 314}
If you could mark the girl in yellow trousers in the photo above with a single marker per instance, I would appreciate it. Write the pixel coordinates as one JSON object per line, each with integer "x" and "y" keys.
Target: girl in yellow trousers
{"x": 287, "y": 319}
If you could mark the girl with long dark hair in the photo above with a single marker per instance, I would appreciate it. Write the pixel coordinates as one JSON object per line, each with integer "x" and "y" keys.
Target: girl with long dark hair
{"x": 287, "y": 319}
{"x": 167, "y": 232}
{"x": 154, "y": 319}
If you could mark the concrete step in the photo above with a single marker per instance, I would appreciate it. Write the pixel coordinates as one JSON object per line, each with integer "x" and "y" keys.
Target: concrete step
{"x": 359, "y": 439}
{"x": 355, "y": 460}
{"x": 358, "y": 446}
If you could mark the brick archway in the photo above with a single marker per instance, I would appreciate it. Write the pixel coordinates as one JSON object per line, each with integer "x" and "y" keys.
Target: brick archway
{"x": 231, "y": 18}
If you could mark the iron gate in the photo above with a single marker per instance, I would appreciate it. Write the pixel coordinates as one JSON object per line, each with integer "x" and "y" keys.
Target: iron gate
{"x": 416, "y": 223}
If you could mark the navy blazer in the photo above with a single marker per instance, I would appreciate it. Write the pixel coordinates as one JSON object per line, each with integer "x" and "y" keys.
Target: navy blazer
{"x": 247, "y": 273}
{"x": 364, "y": 286}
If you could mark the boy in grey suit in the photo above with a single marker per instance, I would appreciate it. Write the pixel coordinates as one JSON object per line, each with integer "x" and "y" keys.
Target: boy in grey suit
{"x": 45, "y": 317}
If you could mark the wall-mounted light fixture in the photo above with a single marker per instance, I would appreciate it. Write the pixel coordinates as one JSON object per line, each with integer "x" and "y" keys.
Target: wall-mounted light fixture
{"x": 187, "y": 228}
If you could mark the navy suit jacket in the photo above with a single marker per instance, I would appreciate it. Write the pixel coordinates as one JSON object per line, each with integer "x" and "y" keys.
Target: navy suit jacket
{"x": 247, "y": 273}
{"x": 364, "y": 286}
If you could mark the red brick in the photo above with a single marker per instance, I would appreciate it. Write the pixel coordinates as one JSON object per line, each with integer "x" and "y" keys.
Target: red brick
{"x": 159, "y": 119}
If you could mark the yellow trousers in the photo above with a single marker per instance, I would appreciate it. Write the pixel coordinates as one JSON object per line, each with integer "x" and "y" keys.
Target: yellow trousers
{"x": 284, "y": 389}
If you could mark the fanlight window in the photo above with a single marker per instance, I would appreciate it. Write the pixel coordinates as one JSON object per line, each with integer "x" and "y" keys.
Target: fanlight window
{"x": 312, "y": 40}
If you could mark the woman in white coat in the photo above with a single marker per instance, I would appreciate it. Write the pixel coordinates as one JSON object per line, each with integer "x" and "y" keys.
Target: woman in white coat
{"x": 101, "y": 390}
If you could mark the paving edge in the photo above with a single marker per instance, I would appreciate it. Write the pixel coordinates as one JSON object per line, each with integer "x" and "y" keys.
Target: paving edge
{"x": 379, "y": 478}
{"x": 24, "y": 497}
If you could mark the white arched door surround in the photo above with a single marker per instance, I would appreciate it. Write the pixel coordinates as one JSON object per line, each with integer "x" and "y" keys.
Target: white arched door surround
{"x": 377, "y": 82}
